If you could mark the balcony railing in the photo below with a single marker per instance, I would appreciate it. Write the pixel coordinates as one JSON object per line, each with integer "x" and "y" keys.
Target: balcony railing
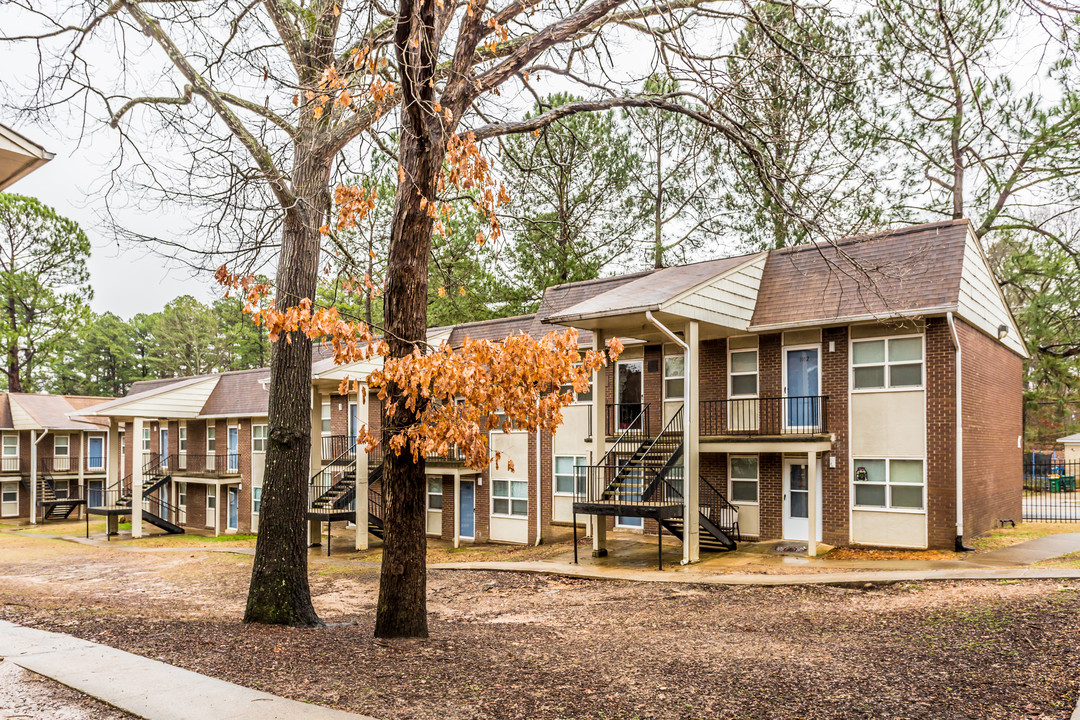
{"x": 339, "y": 447}
{"x": 753, "y": 417}
{"x": 58, "y": 465}
{"x": 211, "y": 465}
{"x": 11, "y": 464}
{"x": 621, "y": 417}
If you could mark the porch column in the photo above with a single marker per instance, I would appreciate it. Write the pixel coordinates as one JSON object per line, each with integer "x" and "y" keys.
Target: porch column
{"x": 113, "y": 470}
{"x": 137, "y": 481}
{"x": 691, "y": 506}
{"x": 812, "y": 518}
{"x": 33, "y": 477}
{"x": 599, "y": 408}
{"x": 315, "y": 464}
{"x": 457, "y": 509}
{"x": 361, "y": 485}
{"x": 82, "y": 467}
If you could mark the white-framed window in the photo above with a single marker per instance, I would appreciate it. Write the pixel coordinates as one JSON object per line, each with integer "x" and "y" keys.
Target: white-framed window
{"x": 565, "y": 474}
{"x": 258, "y": 438}
{"x": 889, "y": 483}
{"x": 510, "y": 497}
{"x": 61, "y": 489}
{"x": 743, "y": 373}
{"x": 256, "y": 500}
{"x": 434, "y": 493}
{"x": 211, "y": 499}
{"x": 10, "y": 457}
{"x": 181, "y": 494}
{"x": 582, "y": 398}
{"x": 211, "y": 439}
{"x": 326, "y": 418}
{"x": 181, "y": 438}
{"x": 743, "y": 479}
{"x": 887, "y": 363}
{"x": 61, "y": 446}
{"x": 146, "y": 439}
{"x": 674, "y": 377}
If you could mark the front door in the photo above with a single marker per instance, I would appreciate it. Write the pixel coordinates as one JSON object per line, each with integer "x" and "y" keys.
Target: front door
{"x": 97, "y": 493}
{"x": 797, "y": 500}
{"x": 234, "y": 508}
{"x": 9, "y": 499}
{"x": 629, "y": 387}
{"x": 95, "y": 459}
{"x": 234, "y": 449}
{"x": 163, "y": 450}
{"x": 467, "y": 519}
{"x": 802, "y": 386}
{"x": 353, "y": 424}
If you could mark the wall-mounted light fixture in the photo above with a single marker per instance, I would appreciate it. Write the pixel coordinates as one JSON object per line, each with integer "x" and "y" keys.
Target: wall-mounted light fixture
{"x": 1003, "y": 330}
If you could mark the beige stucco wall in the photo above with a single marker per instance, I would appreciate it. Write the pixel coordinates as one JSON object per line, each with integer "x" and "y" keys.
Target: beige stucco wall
{"x": 875, "y": 527}
{"x": 888, "y": 424}
{"x": 570, "y": 439}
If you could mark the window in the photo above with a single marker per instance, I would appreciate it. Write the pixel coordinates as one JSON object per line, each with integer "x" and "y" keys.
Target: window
{"x": 61, "y": 489}
{"x": 565, "y": 473}
{"x": 258, "y": 438}
{"x": 510, "y": 497}
{"x": 61, "y": 446}
{"x": 887, "y": 363}
{"x": 10, "y": 453}
{"x": 211, "y": 497}
{"x": 434, "y": 493}
{"x": 744, "y": 479}
{"x": 256, "y": 500}
{"x": 211, "y": 439}
{"x": 674, "y": 377}
{"x": 181, "y": 494}
{"x": 891, "y": 484}
{"x": 326, "y": 418}
{"x": 582, "y": 397}
{"x": 182, "y": 438}
{"x": 146, "y": 439}
{"x": 743, "y": 371}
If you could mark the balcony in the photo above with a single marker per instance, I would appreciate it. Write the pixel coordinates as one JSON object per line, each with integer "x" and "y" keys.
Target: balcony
{"x": 766, "y": 417}
{"x": 11, "y": 464}
{"x": 66, "y": 465}
{"x": 214, "y": 466}
{"x": 339, "y": 449}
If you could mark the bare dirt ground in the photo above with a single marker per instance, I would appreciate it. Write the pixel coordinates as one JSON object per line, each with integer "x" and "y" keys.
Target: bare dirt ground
{"x": 26, "y": 696}
{"x": 507, "y": 645}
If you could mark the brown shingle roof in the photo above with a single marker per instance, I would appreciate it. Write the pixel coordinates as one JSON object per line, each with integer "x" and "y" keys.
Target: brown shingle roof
{"x": 906, "y": 271}
{"x": 496, "y": 329}
{"x": 559, "y": 297}
{"x": 239, "y": 394}
{"x": 54, "y": 411}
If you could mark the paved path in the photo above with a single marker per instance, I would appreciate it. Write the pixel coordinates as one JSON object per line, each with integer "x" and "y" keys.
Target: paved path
{"x": 147, "y": 688}
{"x": 1033, "y": 551}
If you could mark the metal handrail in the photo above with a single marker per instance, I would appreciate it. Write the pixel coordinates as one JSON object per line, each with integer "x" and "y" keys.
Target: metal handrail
{"x": 626, "y": 432}
{"x": 749, "y": 417}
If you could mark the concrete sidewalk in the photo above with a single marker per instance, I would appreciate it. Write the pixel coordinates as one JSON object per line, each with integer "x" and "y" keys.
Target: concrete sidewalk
{"x": 144, "y": 687}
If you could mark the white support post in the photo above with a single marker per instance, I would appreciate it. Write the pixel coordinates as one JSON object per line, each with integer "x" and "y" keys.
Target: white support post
{"x": 114, "y": 470}
{"x": 137, "y": 482}
{"x": 82, "y": 467}
{"x": 33, "y": 477}
{"x": 691, "y": 491}
{"x": 812, "y": 501}
{"x": 361, "y": 486}
{"x": 599, "y": 409}
{"x": 315, "y": 463}
{"x": 457, "y": 510}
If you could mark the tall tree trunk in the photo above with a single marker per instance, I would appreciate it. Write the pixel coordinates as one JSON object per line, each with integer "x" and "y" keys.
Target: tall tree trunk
{"x": 279, "y": 591}
{"x": 14, "y": 381}
{"x": 402, "y": 608}
{"x": 658, "y": 222}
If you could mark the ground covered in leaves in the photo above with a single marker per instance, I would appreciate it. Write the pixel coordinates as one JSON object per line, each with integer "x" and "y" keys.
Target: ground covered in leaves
{"x": 509, "y": 645}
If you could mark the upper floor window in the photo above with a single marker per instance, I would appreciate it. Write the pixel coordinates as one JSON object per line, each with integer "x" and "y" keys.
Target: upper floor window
{"x": 743, "y": 370}
{"x": 258, "y": 438}
{"x": 182, "y": 438}
{"x": 887, "y": 363}
{"x": 211, "y": 439}
{"x": 674, "y": 377}
{"x": 146, "y": 439}
{"x": 326, "y": 418}
{"x": 579, "y": 397}
{"x": 61, "y": 446}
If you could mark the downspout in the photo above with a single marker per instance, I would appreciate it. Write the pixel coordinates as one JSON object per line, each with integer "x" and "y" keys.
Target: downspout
{"x": 960, "y": 547}
{"x": 686, "y": 426}
{"x": 539, "y": 491}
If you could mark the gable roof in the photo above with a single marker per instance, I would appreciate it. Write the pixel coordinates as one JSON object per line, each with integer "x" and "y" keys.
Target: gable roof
{"x": 36, "y": 411}
{"x": 19, "y": 156}
{"x": 1070, "y": 439}
{"x": 241, "y": 393}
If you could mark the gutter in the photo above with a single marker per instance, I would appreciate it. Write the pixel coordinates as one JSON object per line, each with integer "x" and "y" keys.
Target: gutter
{"x": 960, "y": 547}
{"x": 841, "y": 320}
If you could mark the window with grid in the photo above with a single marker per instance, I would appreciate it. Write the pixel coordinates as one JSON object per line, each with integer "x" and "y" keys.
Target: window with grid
{"x": 674, "y": 377}
{"x": 743, "y": 483}
{"x": 434, "y": 494}
{"x": 743, "y": 373}
{"x": 510, "y": 497}
{"x": 211, "y": 439}
{"x": 892, "y": 484}
{"x": 887, "y": 363}
{"x": 256, "y": 500}
{"x": 258, "y": 438}
{"x": 565, "y": 473}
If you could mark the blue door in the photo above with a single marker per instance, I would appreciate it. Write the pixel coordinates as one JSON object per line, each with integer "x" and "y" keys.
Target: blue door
{"x": 353, "y": 425}
{"x": 234, "y": 449}
{"x": 802, "y": 387}
{"x": 468, "y": 510}
{"x": 633, "y": 483}
{"x": 96, "y": 454}
{"x": 163, "y": 451}
{"x": 97, "y": 493}
{"x": 234, "y": 508}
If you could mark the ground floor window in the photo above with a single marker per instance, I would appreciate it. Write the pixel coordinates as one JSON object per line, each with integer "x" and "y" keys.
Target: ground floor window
{"x": 211, "y": 497}
{"x": 434, "y": 494}
{"x": 743, "y": 485}
{"x": 895, "y": 484}
{"x": 510, "y": 497}
{"x": 181, "y": 494}
{"x": 565, "y": 473}
{"x": 256, "y": 500}
{"x": 61, "y": 489}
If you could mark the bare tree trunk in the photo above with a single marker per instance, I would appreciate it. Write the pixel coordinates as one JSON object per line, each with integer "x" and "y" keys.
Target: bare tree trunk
{"x": 658, "y": 223}
{"x": 402, "y": 608}
{"x": 279, "y": 591}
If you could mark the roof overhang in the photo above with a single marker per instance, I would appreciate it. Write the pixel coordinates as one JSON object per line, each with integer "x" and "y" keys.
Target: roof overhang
{"x": 847, "y": 319}
{"x": 182, "y": 400}
{"x": 19, "y": 156}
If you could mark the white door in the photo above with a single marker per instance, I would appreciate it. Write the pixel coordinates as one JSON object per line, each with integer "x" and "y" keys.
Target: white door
{"x": 9, "y": 499}
{"x": 802, "y": 386}
{"x": 797, "y": 500}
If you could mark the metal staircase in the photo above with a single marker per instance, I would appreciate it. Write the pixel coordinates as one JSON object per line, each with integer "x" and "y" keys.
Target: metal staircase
{"x": 332, "y": 490}
{"x": 116, "y": 500}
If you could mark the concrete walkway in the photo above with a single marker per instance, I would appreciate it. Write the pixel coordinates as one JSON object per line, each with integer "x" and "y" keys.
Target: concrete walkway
{"x": 144, "y": 687}
{"x": 1032, "y": 551}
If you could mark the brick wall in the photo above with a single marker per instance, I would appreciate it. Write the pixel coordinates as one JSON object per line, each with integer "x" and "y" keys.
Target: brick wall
{"x": 992, "y": 397}
{"x": 940, "y": 434}
{"x": 712, "y": 357}
{"x": 771, "y": 495}
{"x": 834, "y": 481}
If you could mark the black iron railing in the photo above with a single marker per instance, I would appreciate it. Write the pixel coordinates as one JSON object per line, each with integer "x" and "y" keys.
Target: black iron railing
{"x": 623, "y": 417}
{"x": 1050, "y": 490}
{"x": 340, "y": 447}
{"x": 716, "y": 508}
{"x": 223, "y": 465}
{"x": 58, "y": 465}
{"x": 765, "y": 416}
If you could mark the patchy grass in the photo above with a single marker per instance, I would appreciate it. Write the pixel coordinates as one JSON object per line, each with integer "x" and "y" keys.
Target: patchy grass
{"x": 1069, "y": 560}
{"x": 1007, "y": 537}
{"x": 859, "y": 553}
{"x": 193, "y": 541}
{"x": 440, "y": 552}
